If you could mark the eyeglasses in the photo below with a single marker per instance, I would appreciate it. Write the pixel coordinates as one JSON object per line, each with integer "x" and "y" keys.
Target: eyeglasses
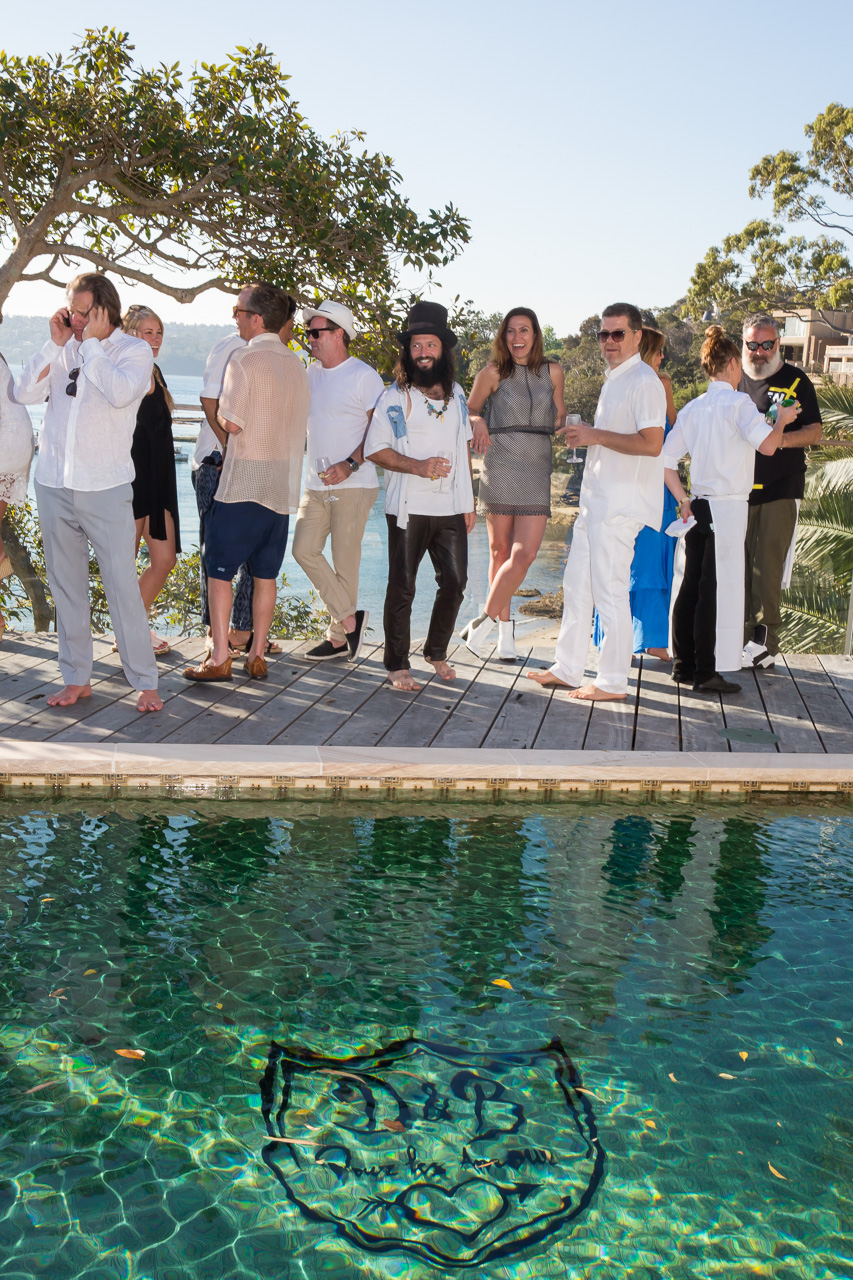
{"x": 236, "y": 311}
{"x": 315, "y": 333}
{"x": 71, "y": 389}
{"x": 616, "y": 334}
{"x": 765, "y": 346}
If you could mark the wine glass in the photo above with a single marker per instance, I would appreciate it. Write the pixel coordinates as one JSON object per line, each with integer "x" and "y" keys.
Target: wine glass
{"x": 321, "y": 466}
{"x": 573, "y": 420}
{"x": 448, "y": 457}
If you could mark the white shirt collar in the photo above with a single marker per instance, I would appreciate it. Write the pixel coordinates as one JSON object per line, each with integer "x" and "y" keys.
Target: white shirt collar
{"x": 630, "y": 363}
{"x": 266, "y": 338}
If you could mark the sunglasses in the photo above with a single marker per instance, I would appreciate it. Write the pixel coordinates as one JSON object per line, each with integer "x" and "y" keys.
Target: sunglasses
{"x": 315, "y": 333}
{"x": 235, "y": 311}
{"x": 71, "y": 389}
{"x": 765, "y": 346}
{"x": 616, "y": 334}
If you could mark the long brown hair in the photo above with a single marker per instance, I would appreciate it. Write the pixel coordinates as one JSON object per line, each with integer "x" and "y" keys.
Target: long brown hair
{"x": 133, "y": 318}
{"x": 500, "y": 351}
{"x": 717, "y": 350}
{"x": 651, "y": 343}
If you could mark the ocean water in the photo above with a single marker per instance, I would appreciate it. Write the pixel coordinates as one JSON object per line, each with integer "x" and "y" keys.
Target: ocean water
{"x": 546, "y": 574}
{"x": 302, "y": 1039}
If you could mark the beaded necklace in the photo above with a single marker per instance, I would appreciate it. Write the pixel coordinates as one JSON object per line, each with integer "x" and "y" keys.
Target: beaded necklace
{"x": 431, "y": 409}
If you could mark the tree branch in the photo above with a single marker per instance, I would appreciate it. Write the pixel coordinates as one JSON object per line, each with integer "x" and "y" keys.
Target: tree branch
{"x": 187, "y": 294}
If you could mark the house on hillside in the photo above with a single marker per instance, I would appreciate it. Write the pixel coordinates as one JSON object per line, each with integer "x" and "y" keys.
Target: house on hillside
{"x": 821, "y": 342}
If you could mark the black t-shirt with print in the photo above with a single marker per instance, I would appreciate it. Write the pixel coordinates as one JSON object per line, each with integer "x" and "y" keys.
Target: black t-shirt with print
{"x": 782, "y": 474}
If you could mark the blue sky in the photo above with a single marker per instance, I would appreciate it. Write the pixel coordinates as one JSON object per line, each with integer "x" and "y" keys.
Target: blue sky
{"x": 598, "y": 149}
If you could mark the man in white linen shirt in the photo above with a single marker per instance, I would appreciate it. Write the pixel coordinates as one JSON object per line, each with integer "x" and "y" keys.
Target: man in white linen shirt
{"x": 343, "y": 393}
{"x": 205, "y": 468}
{"x": 622, "y": 490}
{"x": 95, "y": 377}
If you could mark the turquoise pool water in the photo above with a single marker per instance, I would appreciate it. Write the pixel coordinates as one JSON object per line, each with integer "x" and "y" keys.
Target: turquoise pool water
{"x": 248, "y": 1042}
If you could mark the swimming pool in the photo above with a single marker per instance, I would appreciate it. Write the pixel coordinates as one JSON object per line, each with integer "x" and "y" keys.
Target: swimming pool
{"x": 308, "y": 1039}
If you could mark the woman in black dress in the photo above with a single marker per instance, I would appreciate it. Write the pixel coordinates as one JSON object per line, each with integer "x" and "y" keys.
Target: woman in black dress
{"x": 155, "y": 486}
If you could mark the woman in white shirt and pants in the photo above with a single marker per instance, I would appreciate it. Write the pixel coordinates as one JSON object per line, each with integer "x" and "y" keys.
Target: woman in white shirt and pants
{"x": 721, "y": 430}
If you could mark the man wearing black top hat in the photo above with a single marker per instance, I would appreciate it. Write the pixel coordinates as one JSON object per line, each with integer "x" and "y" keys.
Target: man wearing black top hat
{"x": 419, "y": 435}
{"x": 779, "y": 485}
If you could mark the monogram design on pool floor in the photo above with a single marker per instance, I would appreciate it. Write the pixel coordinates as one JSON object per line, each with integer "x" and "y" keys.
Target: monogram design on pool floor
{"x": 454, "y": 1157}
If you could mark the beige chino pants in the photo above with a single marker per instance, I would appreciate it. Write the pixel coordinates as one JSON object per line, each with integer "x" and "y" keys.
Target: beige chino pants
{"x": 344, "y": 522}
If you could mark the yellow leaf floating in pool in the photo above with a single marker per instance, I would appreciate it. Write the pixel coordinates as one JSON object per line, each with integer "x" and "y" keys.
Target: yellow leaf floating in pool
{"x": 724, "y": 1075}
{"x": 672, "y": 1078}
{"x": 131, "y": 1053}
{"x": 501, "y": 982}
{"x": 47, "y": 899}
{"x": 838, "y": 1040}
{"x": 89, "y": 973}
{"x": 775, "y": 1172}
{"x": 743, "y": 1055}
{"x": 395, "y": 1126}
{"x": 58, "y": 991}
{"x": 650, "y": 1124}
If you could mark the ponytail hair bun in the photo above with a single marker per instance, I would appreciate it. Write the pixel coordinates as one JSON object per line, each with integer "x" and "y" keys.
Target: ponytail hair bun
{"x": 718, "y": 350}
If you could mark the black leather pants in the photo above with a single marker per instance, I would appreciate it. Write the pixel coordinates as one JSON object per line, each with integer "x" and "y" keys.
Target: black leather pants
{"x": 445, "y": 540}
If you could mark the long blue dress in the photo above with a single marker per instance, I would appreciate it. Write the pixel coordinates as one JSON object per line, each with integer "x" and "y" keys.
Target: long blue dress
{"x": 651, "y": 581}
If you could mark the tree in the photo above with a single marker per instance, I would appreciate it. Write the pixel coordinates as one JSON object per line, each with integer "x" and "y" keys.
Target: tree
{"x": 761, "y": 267}
{"x": 187, "y": 188}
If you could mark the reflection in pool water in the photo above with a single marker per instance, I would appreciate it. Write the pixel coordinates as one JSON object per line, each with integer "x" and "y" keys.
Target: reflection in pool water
{"x": 333, "y": 1085}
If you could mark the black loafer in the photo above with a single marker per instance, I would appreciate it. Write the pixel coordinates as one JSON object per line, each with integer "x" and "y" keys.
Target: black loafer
{"x": 325, "y": 650}
{"x": 355, "y": 638}
{"x": 684, "y": 677}
{"x": 717, "y": 685}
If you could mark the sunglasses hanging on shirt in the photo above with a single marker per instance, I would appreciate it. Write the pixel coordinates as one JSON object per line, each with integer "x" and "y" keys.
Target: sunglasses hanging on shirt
{"x": 71, "y": 389}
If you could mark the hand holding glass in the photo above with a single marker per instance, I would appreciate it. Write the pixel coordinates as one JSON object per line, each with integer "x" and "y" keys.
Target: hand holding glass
{"x": 448, "y": 458}
{"x": 322, "y": 465}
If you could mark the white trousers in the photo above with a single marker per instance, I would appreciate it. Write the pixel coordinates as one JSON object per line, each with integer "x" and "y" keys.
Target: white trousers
{"x": 729, "y": 516}
{"x": 597, "y": 576}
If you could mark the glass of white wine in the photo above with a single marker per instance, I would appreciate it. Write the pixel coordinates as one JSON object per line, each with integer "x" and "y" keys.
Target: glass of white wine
{"x": 573, "y": 420}
{"x": 444, "y": 481}
{"x": 322, "y": 465}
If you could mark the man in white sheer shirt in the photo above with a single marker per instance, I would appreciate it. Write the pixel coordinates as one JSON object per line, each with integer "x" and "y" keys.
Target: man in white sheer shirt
{"x": 95, "y": 376}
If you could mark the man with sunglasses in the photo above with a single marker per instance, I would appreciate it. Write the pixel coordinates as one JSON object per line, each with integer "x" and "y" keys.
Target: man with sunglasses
{"x": 337, "y": 503}
{"x": 778, "y": 488}
{"x": 622, "y": 490}
{"x": 93, "y": 376}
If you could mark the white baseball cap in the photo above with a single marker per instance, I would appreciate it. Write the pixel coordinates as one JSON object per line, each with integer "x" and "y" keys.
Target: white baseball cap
{"x": 334, "y": 311}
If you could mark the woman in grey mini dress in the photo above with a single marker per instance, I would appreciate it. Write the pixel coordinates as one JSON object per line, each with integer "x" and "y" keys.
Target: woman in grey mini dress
{"x": 516, "y": 404}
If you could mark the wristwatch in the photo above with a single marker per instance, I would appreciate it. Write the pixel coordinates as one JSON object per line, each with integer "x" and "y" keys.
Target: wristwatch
{"x": 352, "y": 463}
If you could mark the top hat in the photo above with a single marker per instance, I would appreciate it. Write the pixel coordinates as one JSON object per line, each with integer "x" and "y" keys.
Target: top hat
{"x": 428, "y": 317}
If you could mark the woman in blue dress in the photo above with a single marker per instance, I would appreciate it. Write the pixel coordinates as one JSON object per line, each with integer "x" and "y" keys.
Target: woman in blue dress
{"x": 654, "y": 551}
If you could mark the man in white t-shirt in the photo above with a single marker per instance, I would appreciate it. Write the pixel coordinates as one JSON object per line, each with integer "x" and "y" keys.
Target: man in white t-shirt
{"x": 419, "y": 435}
{"x": 206, "y": 466}
{"x": 338, "y": 497}
{"x": 622, "y": 490}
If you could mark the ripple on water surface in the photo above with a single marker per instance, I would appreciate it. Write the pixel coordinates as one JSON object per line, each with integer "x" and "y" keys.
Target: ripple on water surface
{"x": 248, "y": 1042}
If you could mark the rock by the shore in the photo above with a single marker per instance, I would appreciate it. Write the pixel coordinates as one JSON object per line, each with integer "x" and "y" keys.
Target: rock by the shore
{"x": 547, "y": 606}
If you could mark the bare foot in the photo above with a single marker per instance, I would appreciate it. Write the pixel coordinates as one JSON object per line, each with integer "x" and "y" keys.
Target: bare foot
{"x": 592, "y": 693}
{"x": 149, "y": 700}
{"x": 402, "y": 680}
{"x": 442, "y": 668}
{"x": 547, "y": 679}
{"x": 69, "y": 695}
{"x": 663, "y": 654}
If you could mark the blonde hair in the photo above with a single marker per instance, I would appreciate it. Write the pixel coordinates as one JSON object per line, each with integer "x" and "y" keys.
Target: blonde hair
{"x": 652, "y": 343}
{"x": 131, "y": 321}
{"x": 717, "y": 350}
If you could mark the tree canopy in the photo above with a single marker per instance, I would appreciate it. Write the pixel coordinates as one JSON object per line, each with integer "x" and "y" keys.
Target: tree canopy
{"x": 187, "y": 185}
{"x": 765, "y": 267}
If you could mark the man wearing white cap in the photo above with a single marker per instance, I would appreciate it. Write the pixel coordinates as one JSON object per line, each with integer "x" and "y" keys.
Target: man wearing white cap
{"x": 338, "y": 498}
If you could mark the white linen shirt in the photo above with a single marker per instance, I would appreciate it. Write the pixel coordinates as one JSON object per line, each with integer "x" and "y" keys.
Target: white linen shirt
{"x": 85, "y": 441}
{"x": 211, "y": 389}
{"x": 721, "y": 430}
{"x": 623, "y": 484}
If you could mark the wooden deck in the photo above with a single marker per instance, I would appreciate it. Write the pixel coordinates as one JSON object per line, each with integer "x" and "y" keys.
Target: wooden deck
{"x": 804, "y": 706}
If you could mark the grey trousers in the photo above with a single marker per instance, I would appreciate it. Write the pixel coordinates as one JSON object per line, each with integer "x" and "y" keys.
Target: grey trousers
{"x": 70, "y": 519}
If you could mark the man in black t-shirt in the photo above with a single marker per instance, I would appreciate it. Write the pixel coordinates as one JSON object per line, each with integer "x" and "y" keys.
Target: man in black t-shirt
{"x": 779, "y": 483}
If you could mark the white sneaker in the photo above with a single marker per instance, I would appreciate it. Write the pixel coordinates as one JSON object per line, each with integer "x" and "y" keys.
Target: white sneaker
{"x": 757, "y": 655}
{"x": 476, "y": 633}
{"x": 506, "y": 642}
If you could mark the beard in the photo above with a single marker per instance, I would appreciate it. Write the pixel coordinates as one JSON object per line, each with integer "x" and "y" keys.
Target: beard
{"x": 759, "y": 369}
{"x": 438, "y": 373}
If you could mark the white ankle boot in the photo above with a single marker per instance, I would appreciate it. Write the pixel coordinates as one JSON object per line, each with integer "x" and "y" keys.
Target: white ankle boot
{"x": 506, "y": 642}
{"x": 476, "y": 634}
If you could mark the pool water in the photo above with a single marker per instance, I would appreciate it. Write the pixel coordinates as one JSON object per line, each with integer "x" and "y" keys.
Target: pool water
{"x": 603, "y": 1040}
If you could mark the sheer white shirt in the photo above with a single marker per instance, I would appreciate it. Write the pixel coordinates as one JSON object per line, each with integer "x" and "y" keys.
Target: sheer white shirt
{"x": 721, "y": 430}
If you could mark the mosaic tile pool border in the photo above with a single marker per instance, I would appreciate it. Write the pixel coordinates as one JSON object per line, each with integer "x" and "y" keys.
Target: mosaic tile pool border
{"x": 253, "y": 770}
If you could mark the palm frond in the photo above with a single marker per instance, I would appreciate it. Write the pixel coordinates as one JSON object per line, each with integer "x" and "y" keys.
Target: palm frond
{"x": 836, "y": 403}
{"x": 814, "y": 616}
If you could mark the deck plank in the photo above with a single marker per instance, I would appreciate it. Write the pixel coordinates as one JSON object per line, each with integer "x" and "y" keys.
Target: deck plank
{"x": 840, "y": 671}
{"x": 439, "y": 702}
{"x": 831, "y": 717}
{"x": 656, "y": 727}
{"x": 701, "y": 717}
{"x": 335, "y": 706}
{"x": 746, "y": 710}
{"x": 519, "y": 718}
{"x": 786, "y": 711}
{"x": 611, "y": 724}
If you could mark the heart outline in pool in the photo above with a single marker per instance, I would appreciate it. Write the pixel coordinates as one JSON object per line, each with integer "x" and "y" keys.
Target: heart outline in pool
{"x": 451, "y": 1156}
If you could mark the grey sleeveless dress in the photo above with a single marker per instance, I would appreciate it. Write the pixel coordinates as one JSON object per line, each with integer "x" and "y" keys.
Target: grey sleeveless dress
{"x": 521, "y": 417}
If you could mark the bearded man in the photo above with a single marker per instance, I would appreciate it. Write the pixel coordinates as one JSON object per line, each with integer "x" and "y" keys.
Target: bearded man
{"x": 419, "y": 435}
{"x": 779, "y": 486}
